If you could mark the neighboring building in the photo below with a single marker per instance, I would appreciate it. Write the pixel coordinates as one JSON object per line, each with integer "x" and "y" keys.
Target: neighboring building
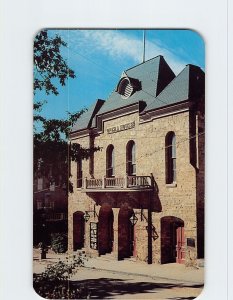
{"x": 144, "y": 191}
{"x": 50, "y": 206}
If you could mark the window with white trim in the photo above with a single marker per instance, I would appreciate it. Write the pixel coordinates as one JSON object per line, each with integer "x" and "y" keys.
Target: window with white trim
{"x": 131, "y": 158}
{"x": 170, "y": 152}
{"x": 110, "y": 161}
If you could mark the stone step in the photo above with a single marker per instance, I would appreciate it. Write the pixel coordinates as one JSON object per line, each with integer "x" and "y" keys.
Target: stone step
{"x": 201, "y": 263}
{"x": 131, "y": 258}
{"x": 80, "y": 252}
{"x": 107, "y": 256}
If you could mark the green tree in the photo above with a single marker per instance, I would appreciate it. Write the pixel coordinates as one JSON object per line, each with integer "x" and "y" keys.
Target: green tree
{"x": 51, "y": 149}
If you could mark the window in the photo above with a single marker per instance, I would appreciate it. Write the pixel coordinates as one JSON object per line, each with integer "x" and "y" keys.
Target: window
{"x": 110, "y": 168}
{"x": 40, "y": 184}
{"x": 170, "y": 150}
{"x": 39, "y": 204}
{"x": 131, "y": 158}
{"x": 79, "y": 172}
{"x": 125, "y": 89}
{"x": 127, "y": 86}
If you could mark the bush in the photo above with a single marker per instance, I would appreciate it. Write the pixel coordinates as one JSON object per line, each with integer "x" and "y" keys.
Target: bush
{"x": 59, "y": 242}
{"x": 54, "y": 282}
{"x": 63, "y": 291}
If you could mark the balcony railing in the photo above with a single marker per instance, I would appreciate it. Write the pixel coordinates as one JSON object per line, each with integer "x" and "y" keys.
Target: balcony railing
{"x": 56, "y": 216}
{"x": 113, "y": 183}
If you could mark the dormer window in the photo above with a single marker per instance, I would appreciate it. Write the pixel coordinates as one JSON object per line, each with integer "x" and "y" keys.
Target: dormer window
{"x": 125, "y": 89}
{"x": 127, "y": 86}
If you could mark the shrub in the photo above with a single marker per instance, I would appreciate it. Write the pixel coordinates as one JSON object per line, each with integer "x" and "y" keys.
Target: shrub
{"x": 54, "y": 282}
{"x": 59, "y": 242}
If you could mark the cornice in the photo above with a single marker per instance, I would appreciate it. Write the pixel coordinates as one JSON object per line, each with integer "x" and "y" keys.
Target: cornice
{"x": 149, "y": 116}
{"x": 144, "y": 116}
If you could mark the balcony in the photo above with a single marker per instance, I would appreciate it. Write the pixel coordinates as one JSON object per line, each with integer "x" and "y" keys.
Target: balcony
{"x": 54, "y": 216}
{"x": 116, "y": 184}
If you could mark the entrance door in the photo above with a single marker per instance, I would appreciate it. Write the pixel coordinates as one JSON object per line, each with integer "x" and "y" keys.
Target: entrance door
{"x": 78, "y": 230}
{"x": 180, "y": 245}
{"x": 105, "y": 229}
{"x": 125, "y": 233}
{"x": 172, "y": 240}
{"x": 131, "y": 239}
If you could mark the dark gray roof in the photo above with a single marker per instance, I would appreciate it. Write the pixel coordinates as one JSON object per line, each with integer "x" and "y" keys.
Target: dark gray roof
{"x": 86, "y": 119}
{"x": 157, "y": 87}
{"x": 153, "y": 75}
{"x": 188, "y": 84}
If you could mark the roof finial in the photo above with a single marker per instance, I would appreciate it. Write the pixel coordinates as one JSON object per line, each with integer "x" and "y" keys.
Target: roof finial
{"x": 144, "y": 45}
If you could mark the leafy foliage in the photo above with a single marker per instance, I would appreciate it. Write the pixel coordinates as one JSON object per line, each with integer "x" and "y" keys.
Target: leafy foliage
{"x": 59, "y": 242}
{"x": 49, "y": 63}
{"x": 51, "y": 149}
{"x": 54, "y": 282}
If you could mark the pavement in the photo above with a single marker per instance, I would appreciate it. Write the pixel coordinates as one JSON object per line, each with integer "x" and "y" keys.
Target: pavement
{"x": 107, "y": 278}
{"x": 173, "y": 271}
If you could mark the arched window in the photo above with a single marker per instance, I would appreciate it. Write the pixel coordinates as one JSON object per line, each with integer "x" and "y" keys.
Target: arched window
{"x": 170, "y": 144}
{"x": 79, "y": 171}
{"x": 131, "y": 158}
{"x": 110, "y": 169}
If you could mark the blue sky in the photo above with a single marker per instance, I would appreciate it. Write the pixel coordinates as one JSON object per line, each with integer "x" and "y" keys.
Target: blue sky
{"x": 98, "y": 58}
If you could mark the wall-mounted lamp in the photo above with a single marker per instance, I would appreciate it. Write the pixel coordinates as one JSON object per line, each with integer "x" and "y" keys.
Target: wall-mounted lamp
{"x": 87, "y": 215}
{"x": 133, "y": 219}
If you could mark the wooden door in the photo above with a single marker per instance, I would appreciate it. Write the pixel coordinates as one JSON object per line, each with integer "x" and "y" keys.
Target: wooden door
{"x": 78, "y": 230}
{"x": 125, "y": 233}
{"x": 105, "y": 230}
{"x": 131, "y": 239}
{"x": 180, "y": 245}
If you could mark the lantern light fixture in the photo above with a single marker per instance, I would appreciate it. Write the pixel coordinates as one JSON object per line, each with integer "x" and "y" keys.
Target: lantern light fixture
{"x": 133, "y": 219}
{"x": 87, "y": 215}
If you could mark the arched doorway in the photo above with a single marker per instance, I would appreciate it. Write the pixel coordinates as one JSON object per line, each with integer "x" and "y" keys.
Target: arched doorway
{"x": 125, "y": 233}
{"x": 172, "y": 240}
{"x": 105, "y": 229}
{"x": 78, "y": 230}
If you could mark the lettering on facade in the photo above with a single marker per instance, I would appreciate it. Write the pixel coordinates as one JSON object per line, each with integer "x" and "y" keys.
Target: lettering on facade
{"x": 121, "y": 127}
{"x": 94, "y": 235}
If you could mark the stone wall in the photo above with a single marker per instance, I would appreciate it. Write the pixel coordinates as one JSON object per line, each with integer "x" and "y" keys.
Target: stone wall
{"x": 177, "y": 200}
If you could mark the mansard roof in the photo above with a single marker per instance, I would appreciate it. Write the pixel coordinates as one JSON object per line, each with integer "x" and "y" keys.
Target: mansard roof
{"x": 153, "y": 76}
{"x": 87, "y": 118}
{"x": 153, "y": 83}
{"x": 188, "y": 85}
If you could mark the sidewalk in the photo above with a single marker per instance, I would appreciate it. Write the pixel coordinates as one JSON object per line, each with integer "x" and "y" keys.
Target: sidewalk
{"x": 173, "y": 271}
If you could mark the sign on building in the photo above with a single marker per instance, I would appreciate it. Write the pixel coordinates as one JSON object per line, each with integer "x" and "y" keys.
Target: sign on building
{"x": 94, "y": 235}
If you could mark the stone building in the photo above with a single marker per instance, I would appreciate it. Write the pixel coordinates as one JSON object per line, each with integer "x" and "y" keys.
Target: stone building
{"x": 142, "y": 195}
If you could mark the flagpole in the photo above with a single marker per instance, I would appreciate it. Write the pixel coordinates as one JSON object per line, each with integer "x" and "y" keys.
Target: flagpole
{"x": 144, "y": 45}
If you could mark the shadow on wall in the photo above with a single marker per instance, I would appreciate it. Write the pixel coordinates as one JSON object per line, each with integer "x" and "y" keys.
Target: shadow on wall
{"x": 156, "y": 205}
